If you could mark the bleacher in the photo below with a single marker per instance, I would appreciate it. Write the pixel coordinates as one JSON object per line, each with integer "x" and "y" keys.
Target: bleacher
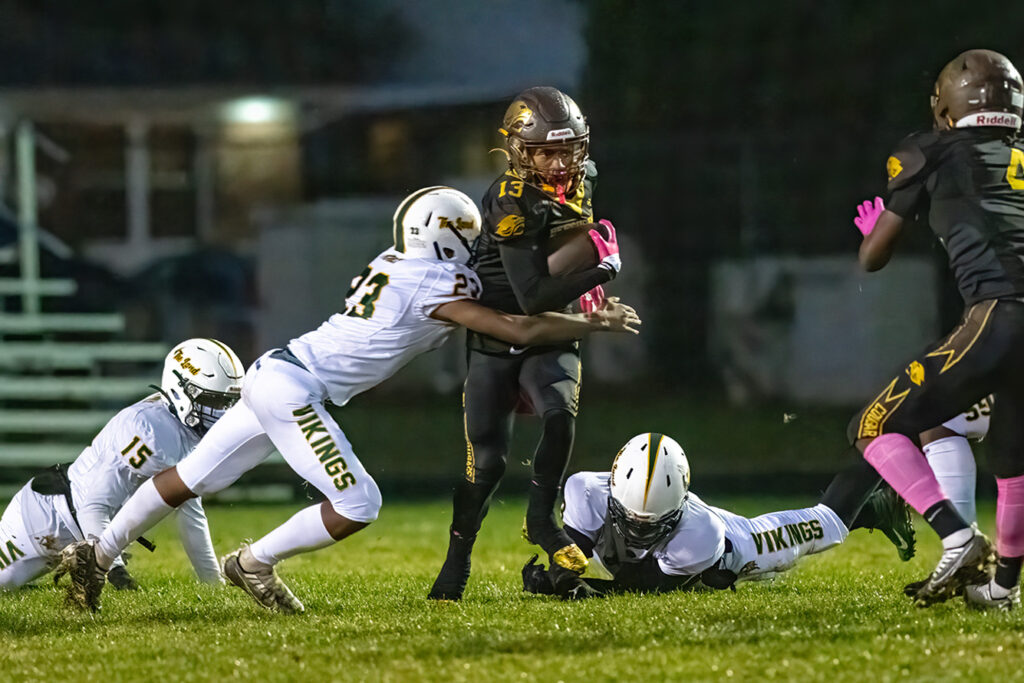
{"x": 63, "y": 375}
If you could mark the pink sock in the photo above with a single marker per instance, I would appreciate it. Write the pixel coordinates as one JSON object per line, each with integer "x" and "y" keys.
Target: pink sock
{"x": 901, "y": 464}
{"x": 1010, "y": 517}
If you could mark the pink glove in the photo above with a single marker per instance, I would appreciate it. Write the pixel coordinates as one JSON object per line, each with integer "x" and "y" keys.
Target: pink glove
{"x": 592, "y": 301}
{"x": 867, "y": 215}
{"x": 607, "y": 247}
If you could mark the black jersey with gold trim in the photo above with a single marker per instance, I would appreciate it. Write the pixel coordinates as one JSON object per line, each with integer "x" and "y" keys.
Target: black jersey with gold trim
{"x": 517, "y": 212}
{"x": 970, "y": 183}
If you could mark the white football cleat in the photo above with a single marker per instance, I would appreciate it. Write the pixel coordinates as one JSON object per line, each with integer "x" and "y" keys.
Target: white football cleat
{"x": 980, "y": 597}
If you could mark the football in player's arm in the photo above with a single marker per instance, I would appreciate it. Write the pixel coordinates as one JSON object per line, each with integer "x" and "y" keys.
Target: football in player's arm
{"x": 406, "y": 302}
{"x": 62, "y": 505}
{"x": 545, "y": 194}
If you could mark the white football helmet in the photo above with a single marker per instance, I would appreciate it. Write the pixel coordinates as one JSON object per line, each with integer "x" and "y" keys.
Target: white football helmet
{"x": 650, "y": 481}
{"x": 437, "y": 223}
{"x": 202, "y": 379}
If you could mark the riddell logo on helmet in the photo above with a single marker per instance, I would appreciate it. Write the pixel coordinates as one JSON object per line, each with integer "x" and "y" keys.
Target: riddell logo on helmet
{"x": 990, "y": 119}
{"x": 561, "y": 134}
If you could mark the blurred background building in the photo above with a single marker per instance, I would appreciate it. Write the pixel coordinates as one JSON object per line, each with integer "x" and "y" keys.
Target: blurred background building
{"x": 224, "y": 169}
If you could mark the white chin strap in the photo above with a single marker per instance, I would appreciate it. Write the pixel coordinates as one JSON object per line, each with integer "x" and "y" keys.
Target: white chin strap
{"x": 993, "y": 118}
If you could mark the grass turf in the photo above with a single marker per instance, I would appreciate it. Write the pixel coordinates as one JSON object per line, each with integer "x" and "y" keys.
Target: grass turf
{"x": 838, "y": 616}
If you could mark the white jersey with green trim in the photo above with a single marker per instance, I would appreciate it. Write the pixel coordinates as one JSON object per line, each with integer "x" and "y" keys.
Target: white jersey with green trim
{"x": 757, "y": 548}
{"x": 386, "y": 322}
{"x": 697, "y": 542}
{"x": 139, "y": 442}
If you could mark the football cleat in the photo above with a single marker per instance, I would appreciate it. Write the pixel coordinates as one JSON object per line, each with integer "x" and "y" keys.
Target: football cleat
{"x": 967, "y": 564}
{"x": 78, "y": 561}
{"x": 892, "y": 518}
{"x": 570, "y": 557}
{"x": 262, "y": 584}
{"x": 451, "y": 580}
{"x": 980, "y": 598}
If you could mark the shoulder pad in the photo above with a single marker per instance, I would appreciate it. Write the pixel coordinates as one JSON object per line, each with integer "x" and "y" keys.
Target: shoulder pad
{"x": 907, "y": 161}
{"x": 590, "y": 169}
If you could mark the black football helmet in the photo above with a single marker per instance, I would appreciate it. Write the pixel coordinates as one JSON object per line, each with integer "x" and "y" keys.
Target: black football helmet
{"x": 978, "y": 88}
{"x": 546, "y": 119}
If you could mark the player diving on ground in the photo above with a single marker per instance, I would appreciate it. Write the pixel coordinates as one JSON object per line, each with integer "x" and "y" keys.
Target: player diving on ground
{"x": 409, "y": 300}
{"x": 65, "y": 504}
{"x": 643, "y": 524}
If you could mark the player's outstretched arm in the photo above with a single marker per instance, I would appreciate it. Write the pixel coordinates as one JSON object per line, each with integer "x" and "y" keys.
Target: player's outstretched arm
{"x": 547, "y": 328}
{"x": 194, "y": 531}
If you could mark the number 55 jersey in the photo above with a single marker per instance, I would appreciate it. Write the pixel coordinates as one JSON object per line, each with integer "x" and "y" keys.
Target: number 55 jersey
{"x": 386, "y": 322}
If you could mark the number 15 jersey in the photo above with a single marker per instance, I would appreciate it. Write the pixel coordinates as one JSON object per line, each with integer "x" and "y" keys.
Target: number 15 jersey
{"x": 386, "y": 322}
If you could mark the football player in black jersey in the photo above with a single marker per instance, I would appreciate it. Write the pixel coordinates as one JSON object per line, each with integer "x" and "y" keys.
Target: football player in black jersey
{"x": 547, "y": 189}
{"x": 967, "y": 176}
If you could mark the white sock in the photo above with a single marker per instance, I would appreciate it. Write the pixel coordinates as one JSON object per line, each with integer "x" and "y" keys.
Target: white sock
{"x": 957, "y": 538}
{"x": 142, "y": 511}
{"x": 304, "y": 532}
{"x": 953, "y": 463}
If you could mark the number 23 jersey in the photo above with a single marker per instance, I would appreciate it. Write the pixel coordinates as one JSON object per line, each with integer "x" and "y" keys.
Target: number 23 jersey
{"x": 386, "y": 322}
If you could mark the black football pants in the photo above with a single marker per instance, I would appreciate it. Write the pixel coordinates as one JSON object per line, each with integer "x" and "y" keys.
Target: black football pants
{"x": 984, "y": 354}
{"x": 548, "y": 381}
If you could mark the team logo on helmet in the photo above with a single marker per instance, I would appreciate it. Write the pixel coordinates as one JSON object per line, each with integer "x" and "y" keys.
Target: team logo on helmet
{"x": 520, "y": 120}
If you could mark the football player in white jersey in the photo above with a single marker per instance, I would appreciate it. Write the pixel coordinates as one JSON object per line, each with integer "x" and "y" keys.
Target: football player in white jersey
{"x": 407, "y": 301}
{"x": 641, "y": 523}
{"x": 201, "y": 379}
{"x": 650, "y": 532}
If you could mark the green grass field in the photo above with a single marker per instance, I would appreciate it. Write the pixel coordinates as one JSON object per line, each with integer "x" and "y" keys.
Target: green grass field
{"x": 839, "y": 616}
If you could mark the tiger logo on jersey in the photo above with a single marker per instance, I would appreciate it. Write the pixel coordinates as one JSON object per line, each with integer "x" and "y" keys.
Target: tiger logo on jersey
{"x": 510, "y": 226}
{"x": 916, "y": 373}
{"x": 893, "y": 167}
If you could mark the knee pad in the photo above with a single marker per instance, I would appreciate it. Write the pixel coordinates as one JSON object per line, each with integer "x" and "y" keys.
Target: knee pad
{"x": 360, "y": 502}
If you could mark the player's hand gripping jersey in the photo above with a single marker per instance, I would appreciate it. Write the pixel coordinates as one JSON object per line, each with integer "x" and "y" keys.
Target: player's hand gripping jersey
{"x": 511, "y": 254}
{"x": 970, "y": 183}
{"x": 386, "y": 322}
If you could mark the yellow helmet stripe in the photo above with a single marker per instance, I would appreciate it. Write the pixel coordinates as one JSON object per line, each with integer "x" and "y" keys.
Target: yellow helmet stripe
{"x": 227, "y": 352}
{"x": 653, "y": 447}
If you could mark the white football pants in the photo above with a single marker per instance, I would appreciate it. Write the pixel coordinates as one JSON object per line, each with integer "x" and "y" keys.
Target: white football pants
{"x": 32, "y": 533}
{"x": 282, "y": 406}
{"x": 772, "y": 543}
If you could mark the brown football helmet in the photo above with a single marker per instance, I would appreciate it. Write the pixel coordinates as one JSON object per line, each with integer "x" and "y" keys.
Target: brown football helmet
{"x": 548, "y": 139}
{"x": 979, "y": 87}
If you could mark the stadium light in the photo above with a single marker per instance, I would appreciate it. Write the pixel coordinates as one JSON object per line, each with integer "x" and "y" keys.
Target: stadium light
{"x": 258, "y": 110}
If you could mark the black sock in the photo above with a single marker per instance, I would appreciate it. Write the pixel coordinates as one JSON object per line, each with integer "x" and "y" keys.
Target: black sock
{"x": 944, "y": 518}
{"x": 849, "y": 490}
{"x": 1008, "y": 571}
{"x": 470, "y": 506}
{"x": 540, "y": 518}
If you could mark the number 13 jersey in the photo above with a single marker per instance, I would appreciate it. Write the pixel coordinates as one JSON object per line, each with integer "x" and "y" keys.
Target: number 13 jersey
{"x": 386, "y": 322}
